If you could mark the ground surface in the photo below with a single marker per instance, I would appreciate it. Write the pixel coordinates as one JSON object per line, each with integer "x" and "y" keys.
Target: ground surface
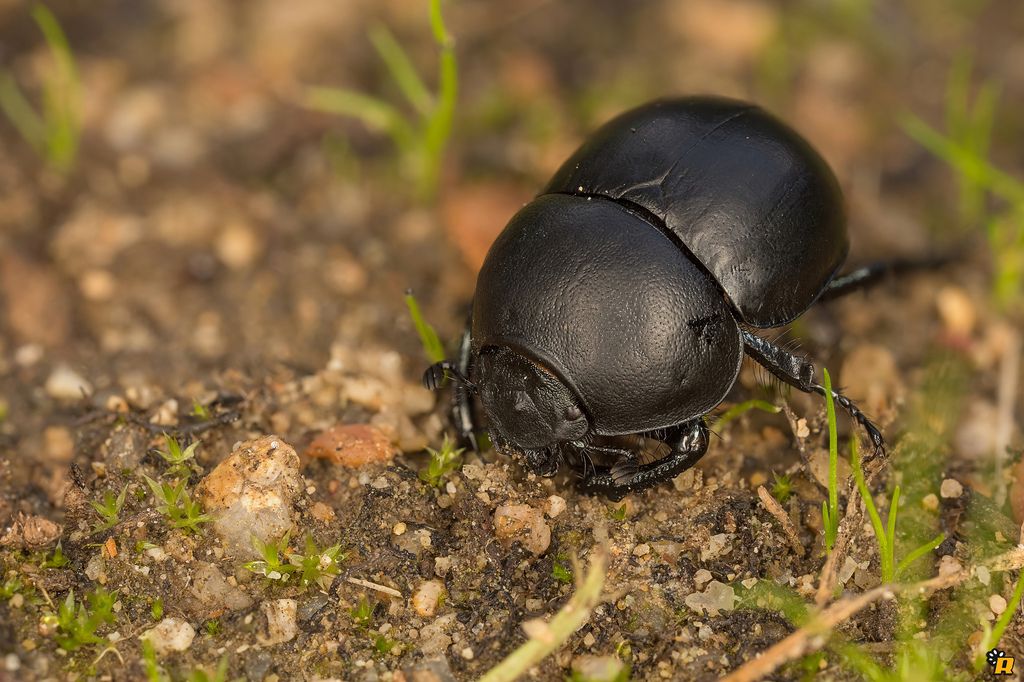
{"x": 223, "y": 265}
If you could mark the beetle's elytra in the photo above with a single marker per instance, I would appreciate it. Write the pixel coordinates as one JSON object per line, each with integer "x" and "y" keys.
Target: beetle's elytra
{"x": 620, "y": 301}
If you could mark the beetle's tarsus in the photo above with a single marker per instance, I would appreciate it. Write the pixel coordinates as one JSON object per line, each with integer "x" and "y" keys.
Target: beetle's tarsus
{"x": 798, "y": 371}
{"x": 688, "y": 441}
{"x": 873, "y": 432}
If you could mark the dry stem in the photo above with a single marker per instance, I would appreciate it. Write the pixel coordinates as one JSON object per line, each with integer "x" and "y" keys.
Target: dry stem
{"x": 814, "y": 634}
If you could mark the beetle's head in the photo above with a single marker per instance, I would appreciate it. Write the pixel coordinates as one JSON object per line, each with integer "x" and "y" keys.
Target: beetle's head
{"x": 526, "y": 403}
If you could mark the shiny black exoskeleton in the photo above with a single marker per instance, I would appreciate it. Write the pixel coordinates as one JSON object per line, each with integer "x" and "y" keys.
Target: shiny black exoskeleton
{"x": 620, "y": 301}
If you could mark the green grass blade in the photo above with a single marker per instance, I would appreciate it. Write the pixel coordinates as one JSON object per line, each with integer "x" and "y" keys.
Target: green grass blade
{"x": 963, "y": 161}
{"x": 957, "y": 98}
{"x": 1004, "y": 620}
{"x": 60, "y": 93}
{"x": 893, "y": 510}
{"x": 869, "y": 504}
{"x": 437, "y": 23}
{"x": 741, "y": 408}
{"x": 373, "y": 112}
{"x": 21, "y": 114}
{"x": 833, "y": 463}
{"x": 401, "y": 69}
{"x": 439, "y": 123}
{"x": 920, "y": 552}
{"x": 428, "y": 335}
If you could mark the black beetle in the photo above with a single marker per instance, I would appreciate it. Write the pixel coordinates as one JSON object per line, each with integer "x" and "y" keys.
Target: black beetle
{"x": 619, "y": 301}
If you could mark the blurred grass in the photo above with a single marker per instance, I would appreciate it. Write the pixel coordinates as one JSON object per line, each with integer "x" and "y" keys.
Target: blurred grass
{"x": 419, "y": 138}
{"x": 987, "y": 195}
{"x": 931, "y": 639}
{"x": 432, "y": 345}
{"x": 53, "y": 132}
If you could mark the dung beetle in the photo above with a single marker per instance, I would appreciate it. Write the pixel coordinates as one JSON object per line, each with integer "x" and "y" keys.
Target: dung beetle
{"x": 618, "y": 305}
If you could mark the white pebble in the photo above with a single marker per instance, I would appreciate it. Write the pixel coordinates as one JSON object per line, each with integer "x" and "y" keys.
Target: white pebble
{"x": 65, "y": 383}
{"x": 554, "y": 506}
{"x": 427, "y": 597}
{"x": 170, "y": 634}
{"x": 951, "y": 489}
{"x": 522, "y": 523}
{"x": 717, "y": 597}
{"x": 983, "y": 575}
{"x": 281, "y": 625}
{"x": 997, "y": 604}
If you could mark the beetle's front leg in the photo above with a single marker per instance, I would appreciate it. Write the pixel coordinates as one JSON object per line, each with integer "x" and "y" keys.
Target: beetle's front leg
{"x": 462, "y": 391}
{"x": 688, "y": 441}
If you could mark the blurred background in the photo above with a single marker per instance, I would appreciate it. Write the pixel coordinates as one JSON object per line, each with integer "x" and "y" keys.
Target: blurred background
{"x": 198, "y": 183}
{"x": 210, "y": 212}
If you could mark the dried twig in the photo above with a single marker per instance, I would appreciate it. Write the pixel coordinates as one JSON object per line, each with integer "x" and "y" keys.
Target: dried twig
{"x": 773, "y": 508}
{"x": 1009, "y": 369}
{"x": 814, "y": 634}
{"x": 375, "y": 586}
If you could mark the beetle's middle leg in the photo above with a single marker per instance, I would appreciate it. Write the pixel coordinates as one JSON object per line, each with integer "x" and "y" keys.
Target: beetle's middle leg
{"x": 799, "y": 372}
{"x": 688, "y": 442}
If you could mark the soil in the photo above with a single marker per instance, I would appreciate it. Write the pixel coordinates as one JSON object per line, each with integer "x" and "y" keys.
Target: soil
{"x": 223, "y": 264}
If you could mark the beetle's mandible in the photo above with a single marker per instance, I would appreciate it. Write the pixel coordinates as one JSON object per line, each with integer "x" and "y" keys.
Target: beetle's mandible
{"x": 621, "y": 301}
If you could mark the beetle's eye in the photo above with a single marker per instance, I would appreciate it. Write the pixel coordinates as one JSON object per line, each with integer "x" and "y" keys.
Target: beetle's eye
{"x": 572, "y": 413}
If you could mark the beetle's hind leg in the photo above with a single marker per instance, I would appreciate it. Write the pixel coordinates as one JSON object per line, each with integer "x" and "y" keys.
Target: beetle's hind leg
{"x": 688, "y": 443}
{"x": 870, "y": 274}
{"x": 462, "y": 391}
{"x": 799, "y": 372}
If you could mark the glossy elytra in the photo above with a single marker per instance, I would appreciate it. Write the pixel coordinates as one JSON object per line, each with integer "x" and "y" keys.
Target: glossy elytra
{"x": 621, "y": 301}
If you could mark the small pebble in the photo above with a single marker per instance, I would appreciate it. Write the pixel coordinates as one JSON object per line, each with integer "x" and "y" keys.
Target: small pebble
{"x": 65, "y": 383}
{"x": 522, "y": 523}
{"x": 983, "y": 574}
{"x": 281, "y": 620}
{"x": 702, "y": 577}
{"x": 250, "y": 493}
{"x": 58, "y": 444}
{"x": 716, "y": 546}
{"x": 399, "y": 528}
{"x": 467, "y": 653}
{"x": 442, "y": 565}
{"x": 956, "y": 310}
{"x": 997, "y": 604}
{"x": 554, "y": 506}
{"x": 426, "y": 598}
{"x": 930, "y": 502}
{"x": 642, "y": 549}
{"x": 598, "y": 668}
{"x": 716, "y": 597}
{"x": 948, "y": 565}
{"x": 352, "y": 445}
{"x": 951, "y": 489}
{"x": 171, "y": 634}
